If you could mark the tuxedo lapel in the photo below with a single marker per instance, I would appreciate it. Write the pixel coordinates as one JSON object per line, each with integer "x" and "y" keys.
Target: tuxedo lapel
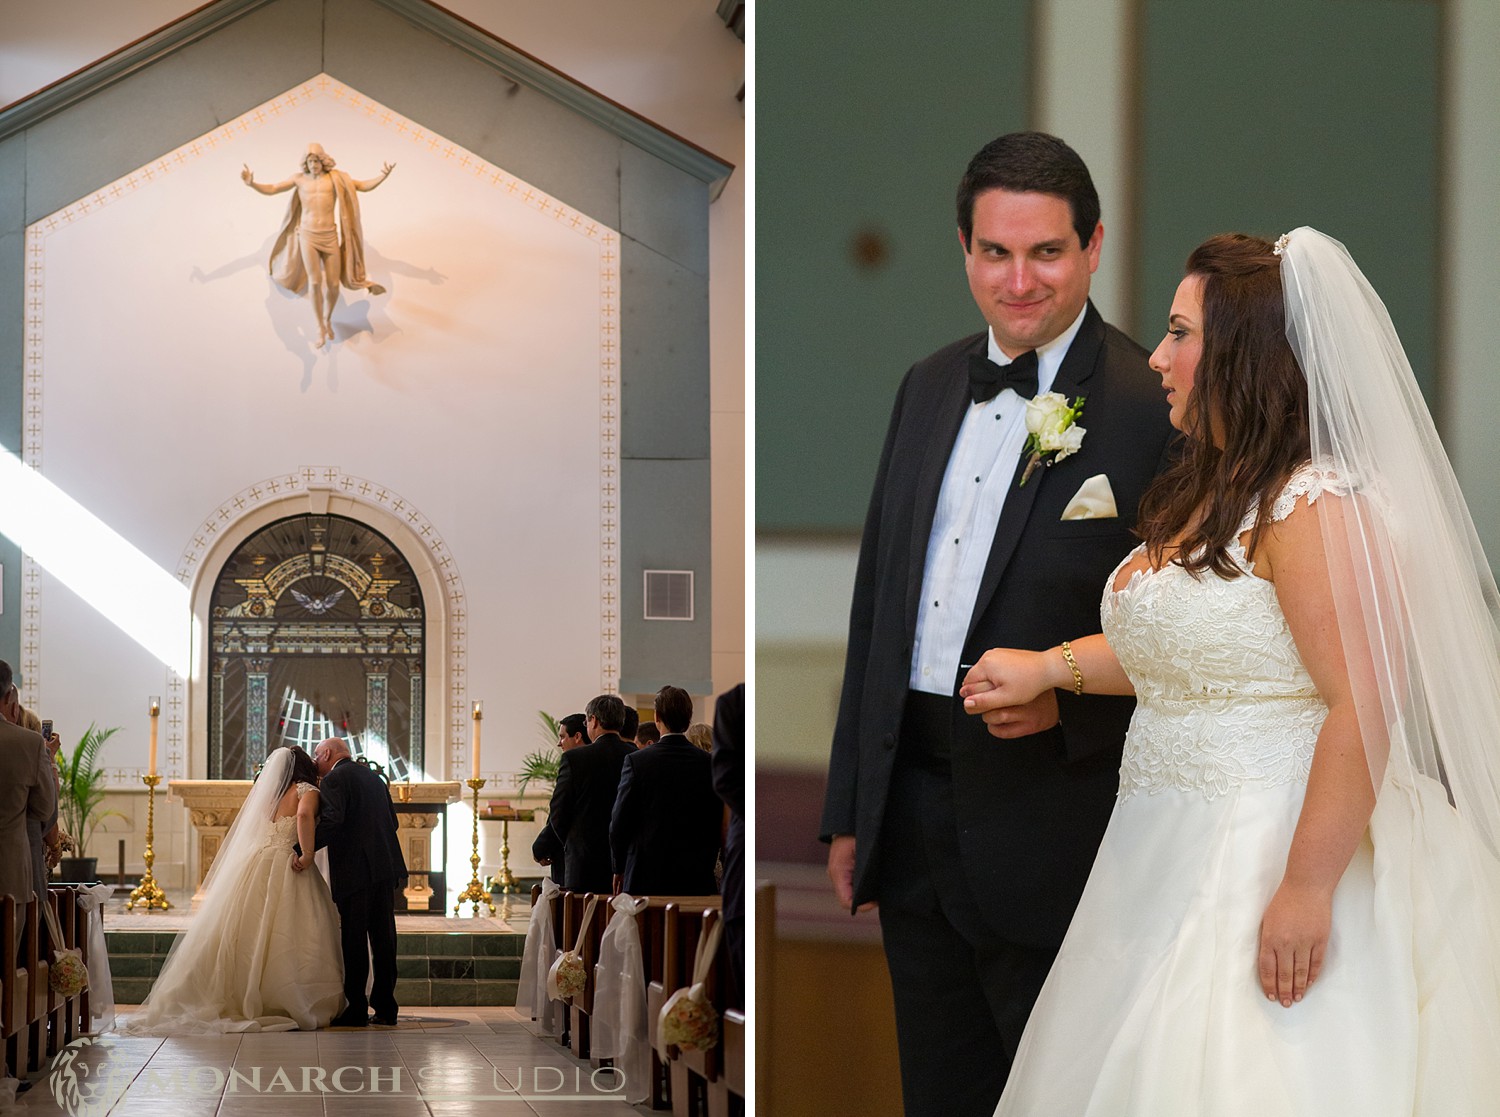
{"x": 1072, "y": 377}
{"x": 940, "y": 428}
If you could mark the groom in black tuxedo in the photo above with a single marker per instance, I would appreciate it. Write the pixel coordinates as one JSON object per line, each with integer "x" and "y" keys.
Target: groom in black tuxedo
{"x": 357, "y": 822}
{"x": 975, "y": 842}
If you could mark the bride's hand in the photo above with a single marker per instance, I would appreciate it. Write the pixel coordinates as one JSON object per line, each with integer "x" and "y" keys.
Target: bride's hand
{"x": 299, "y": 863}
{"x": 1293, "y": 940}
{"x": 1004, "y": 677}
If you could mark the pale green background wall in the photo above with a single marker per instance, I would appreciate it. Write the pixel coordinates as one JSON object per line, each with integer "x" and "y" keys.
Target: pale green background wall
{"x": 865, "y": 119}
{"x": 1250, "y": 116}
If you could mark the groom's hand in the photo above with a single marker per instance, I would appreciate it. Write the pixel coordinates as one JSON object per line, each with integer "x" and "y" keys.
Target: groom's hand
{"x": 298, "y": 864}
{"x": 1036, "y": 716}
{"x": 841, "y": 871}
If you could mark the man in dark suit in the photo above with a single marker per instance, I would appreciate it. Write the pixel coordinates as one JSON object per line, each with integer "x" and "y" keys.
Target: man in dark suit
{"x": 357, "y": 822}
{"x": 668, "y": 822}
{"x": 547, "y": 847}
{"x": 584, "y": 794}
{"x": 729, "y": 781}
{"x": 976, "y": 849}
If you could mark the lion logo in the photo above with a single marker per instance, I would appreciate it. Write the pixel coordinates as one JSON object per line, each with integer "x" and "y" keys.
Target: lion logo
{"x": 66, "y": 1087}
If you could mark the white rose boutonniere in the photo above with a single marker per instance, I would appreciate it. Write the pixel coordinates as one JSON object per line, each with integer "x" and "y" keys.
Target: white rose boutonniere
{"x": 1052, "y": 426}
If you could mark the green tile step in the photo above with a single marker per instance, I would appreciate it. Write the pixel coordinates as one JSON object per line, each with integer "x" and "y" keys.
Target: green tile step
{"x": 448, "y": 968}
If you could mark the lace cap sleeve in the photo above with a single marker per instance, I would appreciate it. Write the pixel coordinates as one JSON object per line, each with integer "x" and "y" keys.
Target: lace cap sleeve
{"x": 303, "y": 788}
{"x": 1310, "y": 481}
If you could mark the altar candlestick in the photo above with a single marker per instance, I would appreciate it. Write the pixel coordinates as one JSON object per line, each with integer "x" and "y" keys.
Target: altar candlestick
{"x": 474, "y": 749}
{"x": 155, "y": 714}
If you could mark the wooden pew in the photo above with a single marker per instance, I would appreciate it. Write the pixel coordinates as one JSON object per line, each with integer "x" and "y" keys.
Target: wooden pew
{"x": 649, "y": 926}
{"x": 716, "y": 1077}
{"x": 581, "y": 1005}
{"x": 66, "y": 1016}
{"x": 26, "y": 1046}
{"x": 12, "y": 982}
{"x": 681, "y": 926}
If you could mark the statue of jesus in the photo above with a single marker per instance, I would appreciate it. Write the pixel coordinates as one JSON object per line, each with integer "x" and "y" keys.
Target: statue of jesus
{"x": 321, "y": 241}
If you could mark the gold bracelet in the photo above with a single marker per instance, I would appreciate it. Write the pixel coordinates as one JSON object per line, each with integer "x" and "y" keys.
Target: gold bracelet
{"x": 1067, "y": 652}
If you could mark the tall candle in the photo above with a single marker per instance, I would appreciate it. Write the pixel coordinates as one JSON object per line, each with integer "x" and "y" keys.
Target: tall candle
{"x": 474, "y": 749}
{"x": 155, "y": 714}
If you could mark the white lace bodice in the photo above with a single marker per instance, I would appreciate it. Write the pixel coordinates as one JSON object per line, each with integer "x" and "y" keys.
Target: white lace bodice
{"x": 1223, "y": 699}
{"x": 283, "y": 833}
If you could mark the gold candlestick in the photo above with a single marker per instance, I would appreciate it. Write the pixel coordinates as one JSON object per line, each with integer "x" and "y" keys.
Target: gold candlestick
{"x": 475, "y": 892}
{"x": 505, "y": 878}
{"x": 149, "y": 894}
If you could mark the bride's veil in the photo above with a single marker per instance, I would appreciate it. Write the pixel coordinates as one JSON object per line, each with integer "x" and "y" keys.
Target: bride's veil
{"x": 1419, "y": 614}
{"x": 194, "y": 951}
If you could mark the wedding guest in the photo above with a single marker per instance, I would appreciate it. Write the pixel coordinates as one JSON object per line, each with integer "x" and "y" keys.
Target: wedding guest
{"x": 632, "y": 725}
{"x": 587, "y": 779}
{"x": 44, "y": 835}
{"x": 547, "y": 848}
{"x": 648, "y": 734}
{"x": 976, "y": 851}
{"x": 667, "y": 822}
{"x": 701, "y": 735}
{"x": 729, "y": 782}
{"x": 28, "y": 797}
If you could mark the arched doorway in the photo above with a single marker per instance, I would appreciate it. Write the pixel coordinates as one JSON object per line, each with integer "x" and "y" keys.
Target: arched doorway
{"x": 316, "y": 629}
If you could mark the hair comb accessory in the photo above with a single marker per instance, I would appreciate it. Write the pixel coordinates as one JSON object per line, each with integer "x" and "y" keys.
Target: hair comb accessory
{"x": 1280, "y": 245}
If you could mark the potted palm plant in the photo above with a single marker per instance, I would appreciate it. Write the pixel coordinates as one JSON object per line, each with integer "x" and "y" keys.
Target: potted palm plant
{"x": 78, "y": 801}
{"x": 541, "y": 766}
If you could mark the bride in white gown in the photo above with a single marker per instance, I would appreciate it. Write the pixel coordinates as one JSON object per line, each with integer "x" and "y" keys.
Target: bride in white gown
{"x": 262, "y": 951}
{"x": 1295, "y": 907}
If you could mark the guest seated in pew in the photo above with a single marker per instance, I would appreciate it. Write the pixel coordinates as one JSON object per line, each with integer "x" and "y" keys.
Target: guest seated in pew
{"x": 667, "y": 822}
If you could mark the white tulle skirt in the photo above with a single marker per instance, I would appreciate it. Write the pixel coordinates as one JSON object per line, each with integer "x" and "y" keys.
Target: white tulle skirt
{"x": 262, "y": 956}
{"x": 1155, "y": 1008}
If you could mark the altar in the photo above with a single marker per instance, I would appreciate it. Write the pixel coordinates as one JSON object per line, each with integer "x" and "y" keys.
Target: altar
{"x": 213, "y": 806}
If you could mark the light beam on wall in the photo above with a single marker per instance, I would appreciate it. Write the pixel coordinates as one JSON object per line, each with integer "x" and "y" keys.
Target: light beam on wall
{"x": 96, "y": 562}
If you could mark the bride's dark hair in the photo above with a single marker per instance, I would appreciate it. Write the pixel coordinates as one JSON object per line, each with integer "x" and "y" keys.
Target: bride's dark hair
{"x": 303, "y": 770}
{"x": 1246, "y": 417}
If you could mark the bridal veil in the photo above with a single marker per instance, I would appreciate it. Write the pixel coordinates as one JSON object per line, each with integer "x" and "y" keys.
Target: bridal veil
{"x": 1419, "y": 614}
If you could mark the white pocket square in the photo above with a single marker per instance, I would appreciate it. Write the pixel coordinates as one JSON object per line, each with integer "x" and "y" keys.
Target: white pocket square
{"x": 1094, "y": 500}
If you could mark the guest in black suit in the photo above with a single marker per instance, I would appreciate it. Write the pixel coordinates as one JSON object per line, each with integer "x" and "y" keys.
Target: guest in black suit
{"x": 547, "y": 848}
{"x": 668, "y": 822}
{"x": 729, "y": 782}
{"x": 357, "y": 823}
{"x": 585, "y": 793}
{"x": 976, "y": 849}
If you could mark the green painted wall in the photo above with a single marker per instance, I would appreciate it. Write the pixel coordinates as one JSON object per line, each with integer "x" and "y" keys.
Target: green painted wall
{"x": 865, "y": 117}
{"x": 1262, "y": 117}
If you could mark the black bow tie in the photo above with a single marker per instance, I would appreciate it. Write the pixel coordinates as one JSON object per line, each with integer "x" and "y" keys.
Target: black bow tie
{"x": 986, "y": 378}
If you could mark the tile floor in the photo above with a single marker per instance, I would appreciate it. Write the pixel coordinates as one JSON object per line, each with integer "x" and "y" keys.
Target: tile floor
{"x": 440, "y": 1062}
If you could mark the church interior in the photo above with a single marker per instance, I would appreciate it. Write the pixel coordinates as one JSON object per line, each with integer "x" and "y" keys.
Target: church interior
{"x": 492, "y": 468}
